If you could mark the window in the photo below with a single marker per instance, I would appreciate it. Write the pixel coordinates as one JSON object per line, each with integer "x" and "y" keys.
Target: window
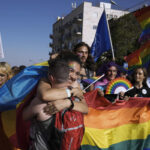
{"x": 94, "y": 27}
{"x": 95, "y": 14}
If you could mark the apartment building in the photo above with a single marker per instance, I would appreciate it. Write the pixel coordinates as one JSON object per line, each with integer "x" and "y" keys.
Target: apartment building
{"x": 80, "y": 25}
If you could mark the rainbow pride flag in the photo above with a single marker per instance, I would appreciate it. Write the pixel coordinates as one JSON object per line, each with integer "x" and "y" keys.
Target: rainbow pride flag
{"x": 143, "y": 17}
{"x": 140, "y": 57}
{"x": 13, "y": 93}
{"x": 124, "y": 125}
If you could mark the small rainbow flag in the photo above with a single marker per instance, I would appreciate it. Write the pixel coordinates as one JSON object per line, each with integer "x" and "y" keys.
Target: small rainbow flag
{"x": 143, "y": 17}
{"x": 90, "y": 80}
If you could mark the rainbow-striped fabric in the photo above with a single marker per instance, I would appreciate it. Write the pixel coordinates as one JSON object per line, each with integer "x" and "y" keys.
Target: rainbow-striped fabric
{"x": 124, "y": 125}
{"x": 117, "y": 85}
{"x": 14, "y": 92}
{"x": 143, "y": 17}
{"x": 140, "y": 57}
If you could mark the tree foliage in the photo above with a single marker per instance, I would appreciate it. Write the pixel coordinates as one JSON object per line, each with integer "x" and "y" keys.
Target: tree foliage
{"x": 125, "y": 33}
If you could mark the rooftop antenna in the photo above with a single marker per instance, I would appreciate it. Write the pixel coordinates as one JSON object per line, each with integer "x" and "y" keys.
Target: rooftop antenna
{"x": 114, "y": 3}
{"x": 74, "y": 5}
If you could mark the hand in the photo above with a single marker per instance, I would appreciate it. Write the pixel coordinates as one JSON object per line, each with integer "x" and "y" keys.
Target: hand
{"x": 77, "y": 92}
{"x": 126, "y": 98}
{"x": 55, "y": 106}
{"x": 100, "y": 92}
{"x": 136, "y": 95}
{"x": 121, "y": 95}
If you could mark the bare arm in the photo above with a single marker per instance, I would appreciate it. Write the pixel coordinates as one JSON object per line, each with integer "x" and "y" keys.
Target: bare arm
{"x": 46, "y": 93}
{"x": 59, "y": 105}
{"x": 81, "y": 106}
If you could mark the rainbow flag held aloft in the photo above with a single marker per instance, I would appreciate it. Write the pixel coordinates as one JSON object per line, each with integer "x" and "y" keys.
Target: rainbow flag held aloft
{"x": 143, "y": 17}
{"x": 140, "y": 57}
{"x": 13, "y": 93}
{"x": 124, "y": 125}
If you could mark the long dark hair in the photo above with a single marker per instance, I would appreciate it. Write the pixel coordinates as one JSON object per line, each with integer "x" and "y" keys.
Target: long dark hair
{"x": 145, "y": 74}
{"x": 90, "y": 64}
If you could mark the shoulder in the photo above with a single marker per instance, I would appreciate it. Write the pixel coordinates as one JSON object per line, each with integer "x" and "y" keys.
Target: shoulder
{"x": 44, "y": 83}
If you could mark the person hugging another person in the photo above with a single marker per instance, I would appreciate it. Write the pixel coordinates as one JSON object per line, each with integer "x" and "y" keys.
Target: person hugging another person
{"x": 61, "y": 84}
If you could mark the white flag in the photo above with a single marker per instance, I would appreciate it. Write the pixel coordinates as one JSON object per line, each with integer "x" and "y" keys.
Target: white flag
{"x": 1, "y": 48}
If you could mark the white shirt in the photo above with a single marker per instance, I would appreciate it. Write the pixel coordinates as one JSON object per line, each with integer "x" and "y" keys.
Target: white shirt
{"x": 148, "y": 82}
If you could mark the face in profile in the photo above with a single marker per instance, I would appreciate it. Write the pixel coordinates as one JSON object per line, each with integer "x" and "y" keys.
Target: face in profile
{"x": 74, "y": 71}
{"x": 3, "y": 78}
{"x": 111, "y": 73}
{"x": 139, "y": 75}
{"x": 82, "y": 52}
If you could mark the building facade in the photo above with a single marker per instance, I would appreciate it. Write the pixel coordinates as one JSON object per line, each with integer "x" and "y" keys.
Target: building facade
{"x": 80, "y": 25}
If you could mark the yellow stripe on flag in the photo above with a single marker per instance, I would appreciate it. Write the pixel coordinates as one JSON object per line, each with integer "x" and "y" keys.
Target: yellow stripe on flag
{"x": 45, "y": 63}
{"x": 104, "y": 138}
{"x": 9, "y": 122}
{"x": 144, "y": 23}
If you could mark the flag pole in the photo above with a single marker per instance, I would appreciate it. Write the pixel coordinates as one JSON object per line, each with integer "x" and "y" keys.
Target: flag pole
{"x": 1, "y": 48}
{"x": 93, "y": 82}
{"x": 112, "y": 49}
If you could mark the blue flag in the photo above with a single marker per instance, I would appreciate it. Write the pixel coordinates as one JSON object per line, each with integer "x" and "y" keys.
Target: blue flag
{"x": 17, "y": 88}
{"x": 101, "y": 41}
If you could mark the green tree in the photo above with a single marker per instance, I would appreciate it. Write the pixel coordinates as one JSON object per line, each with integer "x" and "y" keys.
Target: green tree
{"x": 125, "y": 33}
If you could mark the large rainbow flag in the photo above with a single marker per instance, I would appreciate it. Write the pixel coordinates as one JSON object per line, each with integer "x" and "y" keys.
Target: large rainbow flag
{"x": 13, "y": 93}
{"x": 116, "y": 126}
{"x": 140, "y": 57}
{"x": 143, "y": 17}
{"x": 124, "y": 125}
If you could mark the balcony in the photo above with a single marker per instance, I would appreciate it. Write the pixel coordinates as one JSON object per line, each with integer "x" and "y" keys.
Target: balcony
{"x": 51, "y": 36}
{"x": 78, "y": 33}
{"x": 51, "y": 45}
{"x": 77, "y": 20}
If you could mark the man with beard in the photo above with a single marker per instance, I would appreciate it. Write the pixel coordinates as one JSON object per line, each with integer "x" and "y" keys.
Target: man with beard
{"x": 88, "y": 65}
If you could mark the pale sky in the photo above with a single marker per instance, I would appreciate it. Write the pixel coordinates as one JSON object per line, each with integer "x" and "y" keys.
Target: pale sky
{"x": 25, "y": 26}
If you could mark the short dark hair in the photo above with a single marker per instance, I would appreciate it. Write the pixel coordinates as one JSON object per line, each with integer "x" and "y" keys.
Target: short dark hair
{"x": 69, "y": 56}
{"x": 59, "y": 69}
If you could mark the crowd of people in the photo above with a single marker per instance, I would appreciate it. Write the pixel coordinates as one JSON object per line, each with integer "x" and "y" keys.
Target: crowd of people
{"x": 63, "y": 90}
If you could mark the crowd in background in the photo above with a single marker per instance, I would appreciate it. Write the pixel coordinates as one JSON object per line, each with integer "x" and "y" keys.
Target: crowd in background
{"x": 66, "y": 73}
{"x": 88, "y": 70}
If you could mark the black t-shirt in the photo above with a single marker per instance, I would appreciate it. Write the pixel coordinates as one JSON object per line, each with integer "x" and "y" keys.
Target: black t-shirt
{"x": 142, "y": 92}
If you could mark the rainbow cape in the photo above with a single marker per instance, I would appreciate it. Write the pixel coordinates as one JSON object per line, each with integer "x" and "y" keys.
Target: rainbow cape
{"x": 124, "y": 125}
{"x": 143, "y": 17}
{"x": 140, "y": 57}
{"x": 14, "y": 92}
